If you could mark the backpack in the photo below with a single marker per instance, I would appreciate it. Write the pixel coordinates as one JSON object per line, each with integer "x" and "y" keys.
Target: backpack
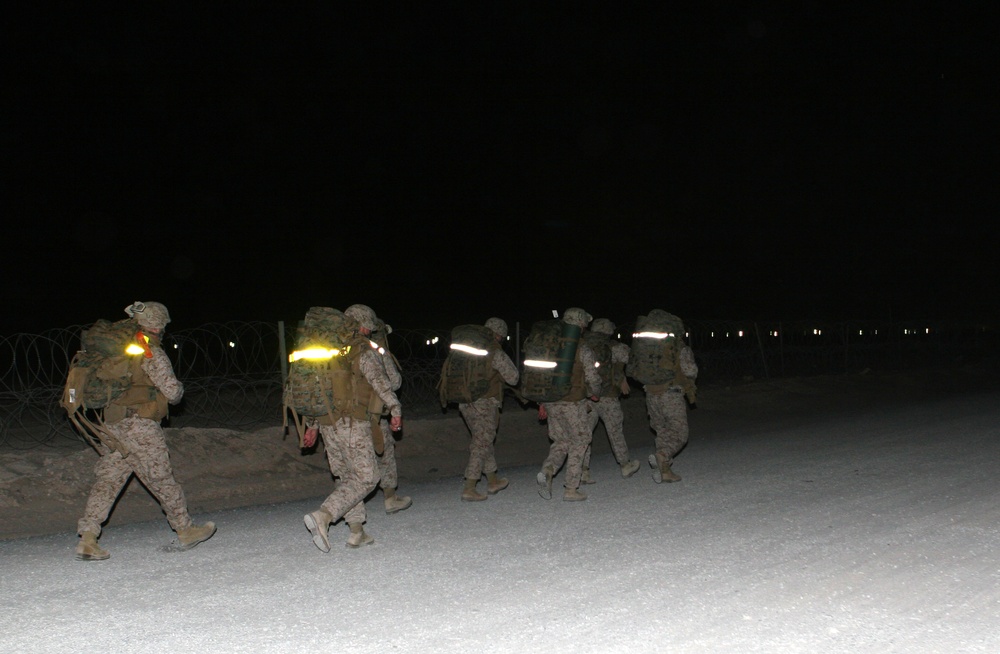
{"x": 656, "y": 346}
{"x": 100, "y": 374}
{"x": 319, "y": 364}
{"x": 549, "y": 357}
{"x": 601, "y": 345}
{"x": 467, "y": 374}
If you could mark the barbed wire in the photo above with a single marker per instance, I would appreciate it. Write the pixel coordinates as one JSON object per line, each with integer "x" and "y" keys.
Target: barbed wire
{"x": 234, "y": 372}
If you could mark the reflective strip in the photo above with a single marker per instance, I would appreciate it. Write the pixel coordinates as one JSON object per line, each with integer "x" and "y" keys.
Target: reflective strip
{"x": 469, "y": 350}
{"x": 657, "y": 335}
{"x": 532, "y": 363}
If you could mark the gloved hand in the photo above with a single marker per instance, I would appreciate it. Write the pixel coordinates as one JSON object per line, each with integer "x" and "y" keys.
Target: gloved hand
{"x": 542, "y": 413}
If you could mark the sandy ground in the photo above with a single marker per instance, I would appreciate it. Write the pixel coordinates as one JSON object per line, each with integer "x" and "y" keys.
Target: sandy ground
{"x": 43, "y": 490}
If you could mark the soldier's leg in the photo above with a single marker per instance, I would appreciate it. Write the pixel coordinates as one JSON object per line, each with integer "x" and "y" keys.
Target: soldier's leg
{"x": 359, "y": 470}
{"x": 112, "y": 473}
{"x": 481, "y": 440}
{"x": 559, "y": 433}
{"x": 579, "y": 439}
{"x": 150, "y": 460}
{"x": 610, "y": 410}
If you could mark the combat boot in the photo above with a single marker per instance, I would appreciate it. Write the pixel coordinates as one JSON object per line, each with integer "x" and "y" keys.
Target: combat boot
{"x": 629, "y": 468}
{"x": 470, "y": 494}
{"x": 661, "y": 469}
{"x": 544, "y": 479}
{"x": 359, "y": 537}
{"x": 396, "y": 503}
{"x": 193, "y": 535}
{"x": 88, "y": 549}
{"x": 496, "y": 484}
{"x": 318, "y": 522}
{"x": 573, "y": 495}
{"x": 585, "y": 477}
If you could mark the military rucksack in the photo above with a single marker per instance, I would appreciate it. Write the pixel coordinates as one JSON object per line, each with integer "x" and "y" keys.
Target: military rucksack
{"x": 103, "y": 373}
{"x": 600, "y": 343}
{"x": 467, "y": 374}
{"x": 549, "y": 355}
{"x": 100, "y": 372}
{"x": 322, "y": 346}
{"x": 655, "y": 349}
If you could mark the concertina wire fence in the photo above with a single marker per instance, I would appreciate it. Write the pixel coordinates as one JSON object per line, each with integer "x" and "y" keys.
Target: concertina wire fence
{"x": 233, "y": 372}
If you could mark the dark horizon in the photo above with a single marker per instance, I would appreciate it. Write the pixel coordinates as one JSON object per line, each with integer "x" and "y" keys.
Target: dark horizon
{"x": 720, "y": 163}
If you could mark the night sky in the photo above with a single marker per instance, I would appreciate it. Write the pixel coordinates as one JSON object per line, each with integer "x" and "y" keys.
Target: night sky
{"x": 762, "y": 160}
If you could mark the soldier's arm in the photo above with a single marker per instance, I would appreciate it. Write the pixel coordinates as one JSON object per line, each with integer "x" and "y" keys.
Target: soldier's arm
{"x": 590, "y": 374}
{"x": 506, "y": 368}
{"x": 688, "y": 365}
{"x": 161, "y": 373}
{"x": 374, "y": 372}
{"x": 392, "y": 371}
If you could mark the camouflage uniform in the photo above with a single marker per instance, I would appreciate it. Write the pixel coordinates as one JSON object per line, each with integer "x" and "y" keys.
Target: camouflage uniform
{"x": 387, "y": 461}
{"x": 133, "y": 443}
{"x": 350, "y": 452}
{"x": 569, "y": 424}
{"x": 148, "y": 458}
{"x": 482, "y": 417}
{"x": 667, "y": 411}
{"x": 609, "y": 409}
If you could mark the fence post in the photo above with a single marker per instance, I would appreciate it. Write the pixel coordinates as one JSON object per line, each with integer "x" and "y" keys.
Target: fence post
{"x": 282, "y": 352}
{"x": 517, "y": 343}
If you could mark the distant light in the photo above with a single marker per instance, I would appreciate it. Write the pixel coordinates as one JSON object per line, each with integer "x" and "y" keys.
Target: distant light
{"x": 432, "y": 341}
{"x": 817, "y": 332}
{"x": 176, "y": 346}
{"x": 555, "y": 314}
{"x": 740, "y": 333}
{"x": 532, "y": 363}
{"x": 469, "y": 350}
{"x": 232, "y": 344}
{"x": 928, "y": 331}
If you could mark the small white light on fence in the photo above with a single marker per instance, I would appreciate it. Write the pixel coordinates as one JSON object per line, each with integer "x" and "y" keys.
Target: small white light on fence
{"x": 232, "y": 344}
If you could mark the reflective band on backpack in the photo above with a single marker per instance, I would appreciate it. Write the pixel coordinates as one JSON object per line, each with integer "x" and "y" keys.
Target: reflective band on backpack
{"x": 657, "y": 335}
{"x": 470, "y": 350}
{"x": 314, "y": 354}
{"x": 532, "y": 363}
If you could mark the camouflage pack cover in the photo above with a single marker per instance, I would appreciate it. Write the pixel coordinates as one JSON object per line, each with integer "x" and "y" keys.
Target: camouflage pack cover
{"x": 467, "y": 377}
{"x": 554, "y": 341}
{"x": 652, "y": 360}
{"x": 100, "y": 372}
{"x": 310, "y": 389}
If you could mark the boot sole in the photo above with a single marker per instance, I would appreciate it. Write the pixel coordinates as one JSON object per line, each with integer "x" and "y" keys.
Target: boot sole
{"x": 320, "y": 539}
{"x": 88, "y": 557}
{"x": 545, "y": 486}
